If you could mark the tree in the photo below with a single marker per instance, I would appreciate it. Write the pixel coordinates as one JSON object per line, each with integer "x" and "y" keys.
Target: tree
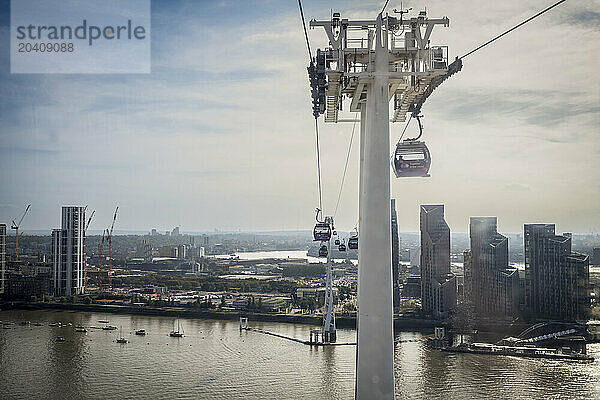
{"x": 307, "y": 304}
{"x": 349, "y": 307}
{"x": 463, "y": 319}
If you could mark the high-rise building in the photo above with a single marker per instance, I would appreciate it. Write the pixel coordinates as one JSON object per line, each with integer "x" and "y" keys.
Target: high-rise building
{"x": 2, "y": 256}
{"x": 556, "y": 279}
{"x": 68, "y": 255}
{"x": 595, "y": 260}
{"x": 181, "y": 252}
{"x": 490, "y": 285}
{"x": 438, "y": 284}
{"x": 395, "y": 256}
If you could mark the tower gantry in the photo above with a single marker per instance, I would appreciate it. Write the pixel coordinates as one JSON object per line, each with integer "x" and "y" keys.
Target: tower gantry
{"x": 372, "y": 62}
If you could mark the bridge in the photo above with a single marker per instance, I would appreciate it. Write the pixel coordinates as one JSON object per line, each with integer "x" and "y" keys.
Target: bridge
{"x": 548, "y": 331}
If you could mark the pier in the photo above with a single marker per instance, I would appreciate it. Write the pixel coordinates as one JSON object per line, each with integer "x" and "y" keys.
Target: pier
{"x": 519, "y": 351}
{"x": 308, "y": 342}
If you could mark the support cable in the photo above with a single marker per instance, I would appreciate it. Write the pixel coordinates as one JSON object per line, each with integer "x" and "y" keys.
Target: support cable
{"x": 319, "y": 165}
{"x": 401, "y": 136}
{"x": 345, "y": 169}
{"x": 384, "y": 6}
{"x": 456, "y": 66}
{"x": 305, "y": 31}
{"x": 513, "y": 28}
{"x": 316, "y": 119}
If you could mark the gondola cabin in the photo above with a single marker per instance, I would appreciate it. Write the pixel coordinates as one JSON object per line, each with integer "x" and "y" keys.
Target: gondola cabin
{"x": 411, "y": 158}
{"x": 323, "y": 251}
{"x": 353, "y": 243}
{"x": 322, "y": 232}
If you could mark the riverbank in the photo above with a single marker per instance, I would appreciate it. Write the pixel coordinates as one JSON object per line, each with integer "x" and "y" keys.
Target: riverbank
{"x": 400, "y": 323}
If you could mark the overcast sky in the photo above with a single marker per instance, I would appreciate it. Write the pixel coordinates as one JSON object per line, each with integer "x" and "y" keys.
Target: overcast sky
{"x": 220, "y": 134}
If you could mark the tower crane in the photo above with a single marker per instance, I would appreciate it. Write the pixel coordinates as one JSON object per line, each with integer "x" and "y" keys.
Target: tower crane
{"x": 109, "y": 237}
{"x": 100, "y": 245}
{"x": 16, "y": 226}
{"x": 87, "y": 225}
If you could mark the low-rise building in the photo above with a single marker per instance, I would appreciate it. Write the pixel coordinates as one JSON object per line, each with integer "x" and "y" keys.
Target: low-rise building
{"x": 19, "y": 286}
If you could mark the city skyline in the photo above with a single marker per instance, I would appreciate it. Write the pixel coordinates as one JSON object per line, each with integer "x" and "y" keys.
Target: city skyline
{"x": 186, "y": 143}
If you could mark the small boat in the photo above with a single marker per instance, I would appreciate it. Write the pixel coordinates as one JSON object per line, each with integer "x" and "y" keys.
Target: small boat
{"x": 80, "y": 328}
{"x": 109, "y": 328}
{"x": 103, "y": 321}
{"x": 24, "y": 323}
{"x": 121, "y": 339}
{"x": 60, "y": 339}
{"x": 140, "y": 332}
{"x": 38, "y": 324}
{"x": 55, "y": 324}
{"x": 177, "y": 332}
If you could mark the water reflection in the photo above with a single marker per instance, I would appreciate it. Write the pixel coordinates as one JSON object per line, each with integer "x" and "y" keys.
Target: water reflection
{"x": 217, "y": 361}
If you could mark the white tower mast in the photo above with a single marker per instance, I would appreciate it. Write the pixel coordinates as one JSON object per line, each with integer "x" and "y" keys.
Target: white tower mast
{"x": 329, "y": 333}
{"x": 393, "y": 59}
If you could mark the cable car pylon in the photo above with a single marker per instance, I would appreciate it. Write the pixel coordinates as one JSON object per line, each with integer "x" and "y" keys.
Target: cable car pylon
{"x": 322, "y": 233}
{"x": 370, "y": 71}
{"x": 382, "y": 59}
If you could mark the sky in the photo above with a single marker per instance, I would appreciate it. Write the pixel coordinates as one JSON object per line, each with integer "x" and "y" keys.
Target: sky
{"x": 220, "y": 134}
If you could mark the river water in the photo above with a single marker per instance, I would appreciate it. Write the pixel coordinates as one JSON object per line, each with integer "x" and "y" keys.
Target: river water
{"x": 216, "y": 361}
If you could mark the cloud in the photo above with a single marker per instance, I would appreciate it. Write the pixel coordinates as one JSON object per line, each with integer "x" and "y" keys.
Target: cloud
{"x": 543, "y": 107}
{"x": 587, "y": 18}
{"x": 223, "y": 125}
{"x": 517, "y": 187}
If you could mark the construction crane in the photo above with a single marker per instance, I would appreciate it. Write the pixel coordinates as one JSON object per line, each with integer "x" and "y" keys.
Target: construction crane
{"x": 109, "y": 237}
{"x": 16, "y": 226}
{"x": 84, "y": 251}
{"x": 100, "y": 245}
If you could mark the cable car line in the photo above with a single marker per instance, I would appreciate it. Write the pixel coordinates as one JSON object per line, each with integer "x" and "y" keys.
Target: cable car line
{"x": 456, "y": 65}
{"x": 345, "y": 169}
{"x": 384, "y": 6}
{"x": 412, "y": 158}
{"x": 513, "y": 28}
{"x": 318, "y": 164}
{"x": 305, "y": 31}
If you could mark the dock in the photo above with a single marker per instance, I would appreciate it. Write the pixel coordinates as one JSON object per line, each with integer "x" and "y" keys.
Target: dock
{"x": 293, "y": 339}
{"x": 519, "y": 351}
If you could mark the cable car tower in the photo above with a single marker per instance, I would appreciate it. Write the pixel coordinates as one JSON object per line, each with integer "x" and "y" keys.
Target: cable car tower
{"x": 323, "y": 232}
{"x": 372, "y": 62}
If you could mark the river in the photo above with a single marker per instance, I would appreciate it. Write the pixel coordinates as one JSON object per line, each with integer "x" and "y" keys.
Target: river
{"x": 216, "y": 361}
{"x": 280, "y": 254}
